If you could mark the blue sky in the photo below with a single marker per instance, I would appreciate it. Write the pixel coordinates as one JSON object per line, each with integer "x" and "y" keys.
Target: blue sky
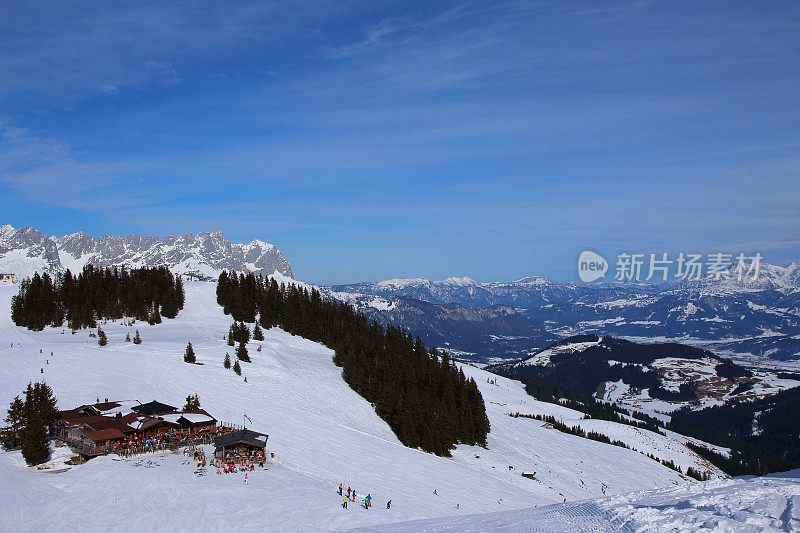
{"x": 378, "y": 139}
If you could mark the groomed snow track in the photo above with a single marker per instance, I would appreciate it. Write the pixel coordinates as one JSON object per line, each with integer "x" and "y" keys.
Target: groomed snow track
{"x": 577, "y": 517}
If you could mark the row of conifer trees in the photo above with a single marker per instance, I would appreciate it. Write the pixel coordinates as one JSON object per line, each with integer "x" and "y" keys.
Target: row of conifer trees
{"x": 427, "y": 401}
{"x": 145, "y": 294}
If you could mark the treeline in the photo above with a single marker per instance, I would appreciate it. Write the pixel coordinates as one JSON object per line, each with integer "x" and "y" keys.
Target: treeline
{"x": 28, "y": 423}
{"x": 774, "y": 447}
{"x": 146, "y": 294}
{"x": 426, "y": 400}
{"x": 573, "y": 430}
{"x": 544, "y": 390}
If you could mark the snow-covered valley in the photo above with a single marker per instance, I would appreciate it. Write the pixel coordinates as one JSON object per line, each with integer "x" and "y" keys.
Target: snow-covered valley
{"x": 322, "y": 434}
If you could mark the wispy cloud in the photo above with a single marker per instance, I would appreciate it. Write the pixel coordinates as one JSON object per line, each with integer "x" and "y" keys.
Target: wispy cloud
{"x": 373, "y": 38}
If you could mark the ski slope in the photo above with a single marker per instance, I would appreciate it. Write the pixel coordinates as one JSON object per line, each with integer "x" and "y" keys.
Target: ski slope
{"x": 321, "y": 431}
{"x": 750, "y": 505}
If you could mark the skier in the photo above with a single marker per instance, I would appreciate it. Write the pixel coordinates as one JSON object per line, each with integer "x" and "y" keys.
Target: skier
{"x": 245, "y": 478}
{"x": 436, "y": 493}
{"x": 42, "y": 370}
{"x": 458, "y": 506}
{"x": 245, "y": 379}
{"x": 368, "y": 501}
{"x": 353, "y": 496}
{"x": 389, "y": 504}
{"x": 340, "y": 489}
{"x": 345, "y": 499}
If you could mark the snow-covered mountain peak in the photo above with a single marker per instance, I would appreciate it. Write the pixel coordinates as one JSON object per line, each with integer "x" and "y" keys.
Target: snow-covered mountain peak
{"x": 534, "y": 280}
{"x": 464, "y": 281}
{"x": 6, "y": 230}
{"x": 400, "y": 283}
{"x": 26, "y": 250}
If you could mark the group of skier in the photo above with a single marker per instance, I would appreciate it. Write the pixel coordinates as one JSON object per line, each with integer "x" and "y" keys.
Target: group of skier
{"x": 350, "y": 497}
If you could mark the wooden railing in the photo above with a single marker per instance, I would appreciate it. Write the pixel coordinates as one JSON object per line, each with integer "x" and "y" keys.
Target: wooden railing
{"x": 171, "y": 443}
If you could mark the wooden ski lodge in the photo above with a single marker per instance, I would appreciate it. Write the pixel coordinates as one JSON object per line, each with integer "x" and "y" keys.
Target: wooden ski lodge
{"x": 126, "y": 428}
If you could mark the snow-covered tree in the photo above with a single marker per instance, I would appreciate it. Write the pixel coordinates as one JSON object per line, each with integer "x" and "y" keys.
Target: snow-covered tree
{"x": 102, "y": 340}
{"x": 188, "y": 355}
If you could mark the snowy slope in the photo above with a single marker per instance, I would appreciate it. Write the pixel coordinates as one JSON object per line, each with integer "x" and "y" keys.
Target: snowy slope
{"x": 322, "y": 433}
{"x": 739, "y": 505}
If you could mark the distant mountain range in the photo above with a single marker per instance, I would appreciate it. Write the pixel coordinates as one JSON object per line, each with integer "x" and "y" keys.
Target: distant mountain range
{"x": 483, "y": 322}
{"x": 27, "y": 250}
{"x": 760, "y": 318}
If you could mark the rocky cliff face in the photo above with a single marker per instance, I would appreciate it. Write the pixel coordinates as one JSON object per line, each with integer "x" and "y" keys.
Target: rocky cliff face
{"x": 27, "y": 250}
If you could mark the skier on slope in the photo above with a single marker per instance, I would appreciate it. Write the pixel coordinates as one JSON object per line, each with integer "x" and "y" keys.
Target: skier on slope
{"x": 368, "y": 501}
{"x": 340, "y": 489}
{"x": 345, "y": 500}
{"x": 389, "y": 504}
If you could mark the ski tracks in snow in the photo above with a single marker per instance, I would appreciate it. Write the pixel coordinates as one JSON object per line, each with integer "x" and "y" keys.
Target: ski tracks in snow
{"x": 579, "y": 517}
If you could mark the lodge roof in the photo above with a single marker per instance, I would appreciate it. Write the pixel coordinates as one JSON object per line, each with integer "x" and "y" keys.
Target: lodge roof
{"x": 105, "y": 434}
{"x": 154, "y": 408}
{"x": 198, "y": 417}
{"x": 100, "y": 422}
{"x": 83, "y": 410}
{"x": 106, "y": 406}
{"x": 242, "y": 436}
{"x": 148, "y": 423}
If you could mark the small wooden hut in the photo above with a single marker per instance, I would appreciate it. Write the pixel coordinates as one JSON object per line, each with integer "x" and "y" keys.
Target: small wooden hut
{"x": 243, "y": 444}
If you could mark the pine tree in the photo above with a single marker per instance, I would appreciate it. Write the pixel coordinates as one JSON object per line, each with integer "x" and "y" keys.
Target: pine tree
{"x": 241, "y": 353}
{"x": 227, "y": 362}
{"x": 44, "y": 403}
{"x": 237, "y": 368}
{"x": 15, "y": 422}
{"x": 155, "y": 316}
{"x": 136, "y": 338}
{"x": 258, "y": 335}
{"x": 192, "y": 403}
{"x": 39, "y": 413}
{"x": 102, "y": 340}
{"x": 34, "y": 442}
{"x": 188, "y": 355}
{"x": 232, "y": 334}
